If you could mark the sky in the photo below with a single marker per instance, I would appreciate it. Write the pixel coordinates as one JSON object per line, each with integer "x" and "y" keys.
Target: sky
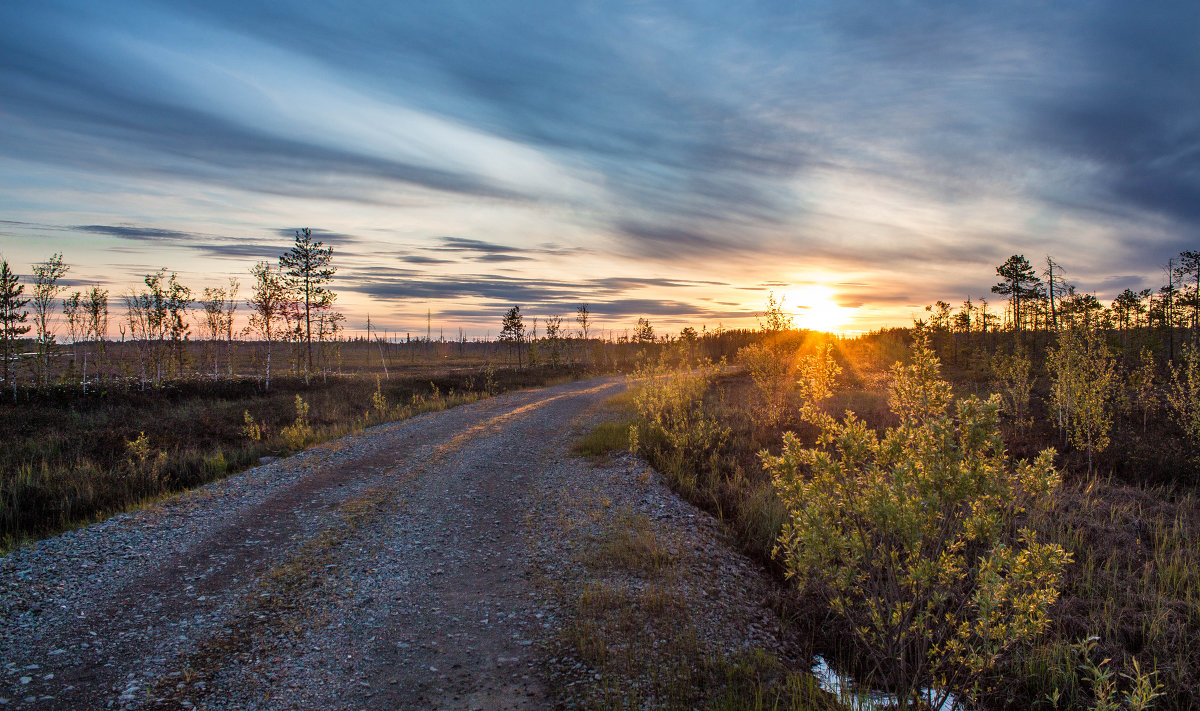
{"x": 678, "y": 161}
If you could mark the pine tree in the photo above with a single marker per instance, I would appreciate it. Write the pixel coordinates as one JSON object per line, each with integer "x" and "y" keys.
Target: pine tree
{"x": 513, "y": 330}
{"x": 1020, "y": 284}
{"x": 1189, "y": 281}
{"x": 307, "y": 269}
{"x": 12, "y": 316}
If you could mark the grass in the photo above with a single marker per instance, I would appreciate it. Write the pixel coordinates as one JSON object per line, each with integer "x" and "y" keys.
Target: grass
{"x": 631, "y": 624}
{"x": 604, "y": 439}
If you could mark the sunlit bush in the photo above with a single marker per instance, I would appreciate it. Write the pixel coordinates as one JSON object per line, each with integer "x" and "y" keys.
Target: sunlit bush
{"x": 914, "y": 538}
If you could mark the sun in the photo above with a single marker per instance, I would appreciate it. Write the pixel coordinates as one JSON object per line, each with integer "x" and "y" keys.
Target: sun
{"x": 815, "y": 308}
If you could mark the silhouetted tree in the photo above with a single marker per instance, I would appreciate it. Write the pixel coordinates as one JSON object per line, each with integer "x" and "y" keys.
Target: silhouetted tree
{"x": 583, "y": 318}
{"x": 1189, "y": 271}
{"x": 1020, "y": 283}
{"x": 513, "y": 331}
{"x": 1056, "y": 288}
{"x": 307, "y": 268}
{"x": 12, "y": 316}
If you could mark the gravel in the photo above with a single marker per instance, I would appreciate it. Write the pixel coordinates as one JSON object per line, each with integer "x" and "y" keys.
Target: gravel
{"x": 406, "y": 566}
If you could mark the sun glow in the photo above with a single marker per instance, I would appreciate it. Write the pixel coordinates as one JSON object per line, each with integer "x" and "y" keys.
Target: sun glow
{"x": 815, "y": 308}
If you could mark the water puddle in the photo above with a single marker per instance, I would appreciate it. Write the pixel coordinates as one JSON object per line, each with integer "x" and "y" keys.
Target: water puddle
{"x": 859, "y": 698}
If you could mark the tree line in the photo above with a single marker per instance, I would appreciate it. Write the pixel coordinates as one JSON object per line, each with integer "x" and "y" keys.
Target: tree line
{"x": 1135, "y": 359}
{"x": 1044, "y": 301}
{"x": 291, "y": 302}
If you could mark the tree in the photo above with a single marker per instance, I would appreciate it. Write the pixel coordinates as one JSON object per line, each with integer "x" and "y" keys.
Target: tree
{"x": 583, "y": 318}
{"x": 775, "y": 320}
{"x": 645, "y": 332}
{"x": 1167, "y": 306}
{"x": 213, "y": 302}
{"x": 554, "y": 338}
{"x": 1082, "y": 374}
{"x": 307, "y": 268}
{"x": 178, "y": 298}
{"x": 12, "y": 316}
{"x": 1189, "y": 266}
{"x": 231, "y": 305}
{"x": 46, "y": 277}
{"x": 1014, "y": 374}
{"x": 1020, "y": 283}
{"x": 1128, "y": 309}
{"x": 73, "y": 310}
{"x": 914, "y": 539}
{"x": 270, "y": 296}
{"x": 1184, "y": 394}
{"x": 1056, "y": 288}
{"x": 513, "y": 331}
{"x": 95, "y": 307}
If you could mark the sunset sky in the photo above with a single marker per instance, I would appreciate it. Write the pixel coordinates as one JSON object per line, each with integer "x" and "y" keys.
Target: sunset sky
{"x": 670, "y": 160}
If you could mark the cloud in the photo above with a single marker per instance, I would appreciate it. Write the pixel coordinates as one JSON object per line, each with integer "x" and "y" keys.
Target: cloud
{"x": 421, "y": 259}
{"x": 135, "y": 233}
{"x": 844, "y": 136}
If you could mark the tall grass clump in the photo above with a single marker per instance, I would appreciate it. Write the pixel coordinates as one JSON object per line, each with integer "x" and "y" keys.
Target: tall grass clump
{"x": 667, "y": 398}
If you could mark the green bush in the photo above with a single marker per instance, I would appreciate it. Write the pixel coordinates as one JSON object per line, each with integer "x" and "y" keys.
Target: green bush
{"x": 914, "y": 538}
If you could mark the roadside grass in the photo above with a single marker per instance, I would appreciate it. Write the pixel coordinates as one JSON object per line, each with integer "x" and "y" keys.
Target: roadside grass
{"x": 631, "y": 624}
{"x": 601, "y": 441}
{"x": 71, "y": 458}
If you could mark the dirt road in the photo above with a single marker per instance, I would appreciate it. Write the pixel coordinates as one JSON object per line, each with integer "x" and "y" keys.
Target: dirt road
{"x": 384, "y": 570}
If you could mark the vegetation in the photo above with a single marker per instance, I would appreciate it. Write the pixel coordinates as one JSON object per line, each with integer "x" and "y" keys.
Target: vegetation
{"x": 1005, "y": 515}
{"x": 915, "y": 538}
{"x": 1100, "y": 535}
{"x": 71, "y": 458}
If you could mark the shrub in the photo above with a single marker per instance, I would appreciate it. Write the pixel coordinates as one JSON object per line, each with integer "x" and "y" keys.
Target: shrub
{"x": 771, "y": 369}
{"x": 1014, "y": 376}
{"x": 1083, "y": 373}
{"x": 297, "y": 434}
{"x": 914, "y": 539}
{"x": 668, "y": 402}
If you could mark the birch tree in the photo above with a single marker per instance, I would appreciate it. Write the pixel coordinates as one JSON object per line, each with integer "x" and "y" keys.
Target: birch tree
{"x": 46, "y": 287}
{"x": 269, "y": 299}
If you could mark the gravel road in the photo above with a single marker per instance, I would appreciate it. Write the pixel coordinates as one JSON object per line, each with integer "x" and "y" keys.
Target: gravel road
{"x": 404, "y": 567}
